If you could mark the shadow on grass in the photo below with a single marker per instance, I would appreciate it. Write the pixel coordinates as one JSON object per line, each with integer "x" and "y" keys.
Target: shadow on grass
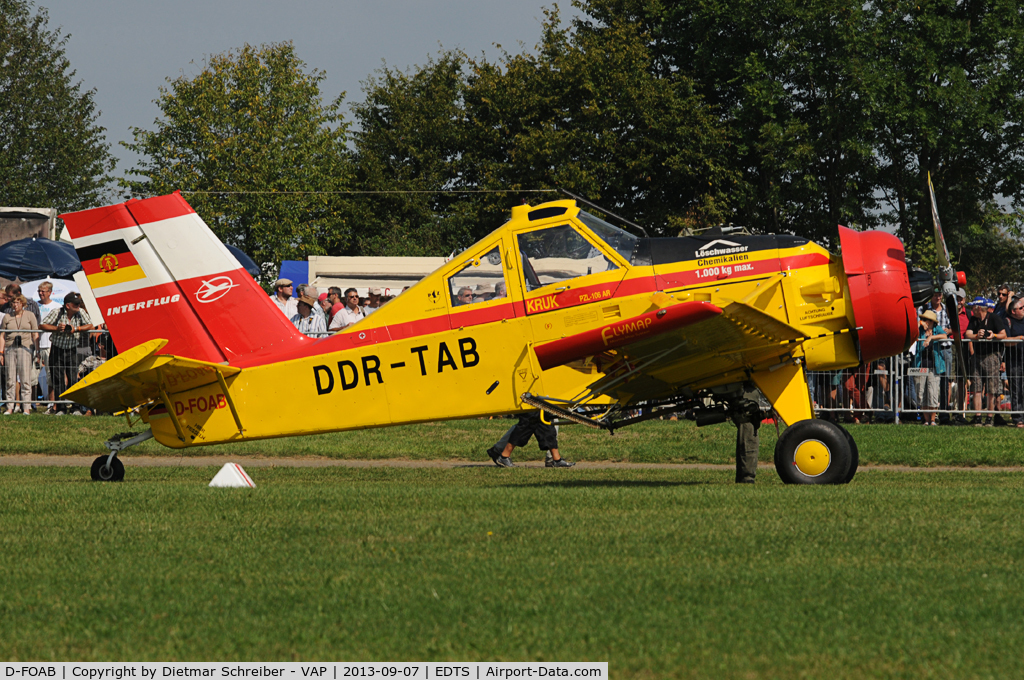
{"x": 610, "y": 483}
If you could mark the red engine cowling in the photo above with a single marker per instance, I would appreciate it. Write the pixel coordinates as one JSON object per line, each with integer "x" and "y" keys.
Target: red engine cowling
{"x": 876, "y": 274}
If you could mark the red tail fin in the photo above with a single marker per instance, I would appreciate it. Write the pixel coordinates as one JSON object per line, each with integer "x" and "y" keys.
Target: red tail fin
{"x": 157, "y": 271}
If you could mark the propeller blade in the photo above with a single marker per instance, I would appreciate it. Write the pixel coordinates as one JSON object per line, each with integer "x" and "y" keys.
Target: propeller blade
{"x": 940, "y": 241}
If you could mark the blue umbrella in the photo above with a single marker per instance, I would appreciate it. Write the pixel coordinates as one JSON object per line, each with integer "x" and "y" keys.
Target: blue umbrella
{"x": 246, "y": 262}
{"x": 29, "y": 259}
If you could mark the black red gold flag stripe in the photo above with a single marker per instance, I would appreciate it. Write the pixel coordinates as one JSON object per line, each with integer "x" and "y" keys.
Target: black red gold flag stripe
{"x": 108, "y": 263}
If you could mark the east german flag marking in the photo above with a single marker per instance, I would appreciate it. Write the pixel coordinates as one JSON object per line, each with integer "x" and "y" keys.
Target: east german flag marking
{"x": 108, "y": 263}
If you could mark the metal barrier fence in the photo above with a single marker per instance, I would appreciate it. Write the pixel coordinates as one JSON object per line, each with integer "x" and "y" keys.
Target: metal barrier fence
{"x": 922, "y": 386}
{"x": 30, "y": 379}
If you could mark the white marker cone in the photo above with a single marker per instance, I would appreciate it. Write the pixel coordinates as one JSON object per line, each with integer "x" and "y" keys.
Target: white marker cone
{"x": 232, "y": 475}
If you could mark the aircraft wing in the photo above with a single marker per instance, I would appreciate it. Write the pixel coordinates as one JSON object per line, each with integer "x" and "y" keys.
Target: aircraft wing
{"x": 717, "y": 345}
{"x": 139, "y": 375}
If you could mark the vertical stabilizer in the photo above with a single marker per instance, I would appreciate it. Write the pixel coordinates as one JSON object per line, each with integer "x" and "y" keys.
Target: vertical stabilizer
{"x": 157, "y": 271}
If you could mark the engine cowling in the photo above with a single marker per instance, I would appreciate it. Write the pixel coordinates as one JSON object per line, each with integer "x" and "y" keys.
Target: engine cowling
{"x": 879, "y": 285}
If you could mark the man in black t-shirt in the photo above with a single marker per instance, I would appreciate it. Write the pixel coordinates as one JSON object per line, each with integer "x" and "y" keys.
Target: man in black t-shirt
{"x": 984, "y": 330}
{"x": 1015, "y": 358}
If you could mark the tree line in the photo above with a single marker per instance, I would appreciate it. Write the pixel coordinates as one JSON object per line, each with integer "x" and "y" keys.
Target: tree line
{"x": 778, "y": 115}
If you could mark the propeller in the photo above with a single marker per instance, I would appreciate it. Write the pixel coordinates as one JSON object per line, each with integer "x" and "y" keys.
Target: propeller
{"x": 951, "y": 280}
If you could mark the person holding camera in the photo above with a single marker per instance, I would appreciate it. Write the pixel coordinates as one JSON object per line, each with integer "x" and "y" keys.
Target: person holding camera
{"x": 985, "y": 331}
{"x": 19, "y": 347}
{"x": 66, "y": 325}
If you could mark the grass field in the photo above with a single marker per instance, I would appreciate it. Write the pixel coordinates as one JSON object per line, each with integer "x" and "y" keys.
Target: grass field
{"x": 662, "y": 573}
{"x": 651, "y": 442}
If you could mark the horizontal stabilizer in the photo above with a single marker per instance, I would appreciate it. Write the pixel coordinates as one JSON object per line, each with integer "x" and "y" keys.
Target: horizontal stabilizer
{"x": 138, "y": 376}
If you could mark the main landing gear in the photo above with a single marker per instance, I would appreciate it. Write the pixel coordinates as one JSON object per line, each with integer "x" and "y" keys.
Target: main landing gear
{"x": 816, "y": 452}
{"x": 109, "y": 468}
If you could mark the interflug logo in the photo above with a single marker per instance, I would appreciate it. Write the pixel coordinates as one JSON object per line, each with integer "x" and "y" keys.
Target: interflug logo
{"x": 215, "y": 289}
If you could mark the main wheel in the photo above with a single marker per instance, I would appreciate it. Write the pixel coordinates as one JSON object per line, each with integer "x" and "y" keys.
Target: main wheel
{"x": 101, "y": 472}
{"x": 813, "y": 452}
{"x": 854, "y": 456}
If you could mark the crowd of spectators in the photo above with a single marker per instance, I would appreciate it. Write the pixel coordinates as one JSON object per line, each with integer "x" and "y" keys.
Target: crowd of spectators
{"x": 927, "y": 385}
{"x": 320, "y": 314}
{"x": 45, "y": 347}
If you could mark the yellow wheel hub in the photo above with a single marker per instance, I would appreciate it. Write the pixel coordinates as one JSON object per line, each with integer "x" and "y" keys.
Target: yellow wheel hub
{"x": 811, "y": 458}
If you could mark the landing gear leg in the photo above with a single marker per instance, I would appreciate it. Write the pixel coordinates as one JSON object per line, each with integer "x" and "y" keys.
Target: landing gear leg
{"x": 108, "y": 468}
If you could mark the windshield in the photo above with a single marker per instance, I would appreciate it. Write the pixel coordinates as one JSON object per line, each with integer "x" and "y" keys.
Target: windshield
{"x": 623, "y": 242}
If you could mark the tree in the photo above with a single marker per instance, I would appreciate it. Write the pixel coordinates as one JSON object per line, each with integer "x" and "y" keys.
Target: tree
{"x": 252, "y": 121}
{"x": 784, "y": 76}
{"x": 52, "y": 152}
{"x": 584, "y": 113}
{"x": 949, "y": 101}
{"x": 411, "y": 142}
{"x": 587, "y": 113}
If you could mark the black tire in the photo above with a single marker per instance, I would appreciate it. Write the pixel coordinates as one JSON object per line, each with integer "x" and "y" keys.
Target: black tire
{"x": 101, "y": 473}
{"x": 826, "y": 460}
{"x": 854, "y": 456}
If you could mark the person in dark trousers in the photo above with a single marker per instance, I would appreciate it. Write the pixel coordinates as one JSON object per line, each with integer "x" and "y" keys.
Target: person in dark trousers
{"x": 66, "y": 325}
{"x": 1015, "y": 358}
{"x": 985, "y": 331}
{"x": 530, "y": 424}
{"x": 746, "y": 415}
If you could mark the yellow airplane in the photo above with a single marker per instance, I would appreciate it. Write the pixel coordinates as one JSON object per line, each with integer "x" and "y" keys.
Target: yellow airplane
{"x": 556, "y": 310}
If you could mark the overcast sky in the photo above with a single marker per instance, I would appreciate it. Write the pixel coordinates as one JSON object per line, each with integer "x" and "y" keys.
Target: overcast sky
{"x": 125, "y": 49}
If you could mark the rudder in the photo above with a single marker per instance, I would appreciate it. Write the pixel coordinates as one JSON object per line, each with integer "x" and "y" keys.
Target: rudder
{"x": 158, "y": 271}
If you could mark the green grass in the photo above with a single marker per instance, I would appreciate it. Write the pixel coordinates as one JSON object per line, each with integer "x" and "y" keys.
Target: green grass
{"x": 661, "y": 573}
{"x": 652, "y": 442}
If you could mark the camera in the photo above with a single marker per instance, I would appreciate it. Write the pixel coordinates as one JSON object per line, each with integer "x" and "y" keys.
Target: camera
{"x": 16, "y": 342}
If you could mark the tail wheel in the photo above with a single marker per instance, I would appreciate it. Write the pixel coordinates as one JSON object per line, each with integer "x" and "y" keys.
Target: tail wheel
{"x": 101, "y": 472}
{"x": 854, "y": 456}
{"x": 813, "y": 452}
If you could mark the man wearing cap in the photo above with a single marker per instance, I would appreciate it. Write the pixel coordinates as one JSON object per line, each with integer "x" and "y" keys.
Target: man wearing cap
{"x": 350, "y": 313}
{"x": 373, "y": 304}
{"x": 305, "y": 319}
{"x": 325, "y": 306}
{"x": 309, "y": 290}
{"x": 483, "y": 293}
{"x": 282, "y": 297}
{"x": 985, "y": 331}
{"x": 66, "y": 325}
{"x": 929, "y": 358}
{"x": 945, "y": 347}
